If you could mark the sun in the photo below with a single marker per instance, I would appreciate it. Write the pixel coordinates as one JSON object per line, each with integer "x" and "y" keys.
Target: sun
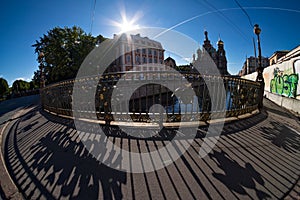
{"x": 125, "y": 25}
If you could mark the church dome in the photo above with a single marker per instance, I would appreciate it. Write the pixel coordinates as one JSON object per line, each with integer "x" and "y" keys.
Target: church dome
{"x": 220, "y": 42}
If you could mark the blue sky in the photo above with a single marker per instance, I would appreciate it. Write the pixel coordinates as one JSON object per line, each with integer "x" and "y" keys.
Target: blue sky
{"x": 23, "y": 22}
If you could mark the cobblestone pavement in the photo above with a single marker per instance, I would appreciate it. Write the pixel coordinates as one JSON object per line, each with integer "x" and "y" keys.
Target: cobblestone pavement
{"x": 255, "y": 158}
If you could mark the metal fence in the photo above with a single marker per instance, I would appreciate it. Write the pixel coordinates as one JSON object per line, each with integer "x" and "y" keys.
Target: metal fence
{"x": 211, "y": 94}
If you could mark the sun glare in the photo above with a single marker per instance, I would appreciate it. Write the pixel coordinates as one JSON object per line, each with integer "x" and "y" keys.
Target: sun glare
{"x": 127, "y": 25}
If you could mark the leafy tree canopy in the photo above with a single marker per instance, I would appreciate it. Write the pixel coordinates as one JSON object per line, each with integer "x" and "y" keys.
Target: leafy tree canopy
{"x": 20, "y": 85}
{"x": 64, "y": 50}
{"x": 3, "y": 87}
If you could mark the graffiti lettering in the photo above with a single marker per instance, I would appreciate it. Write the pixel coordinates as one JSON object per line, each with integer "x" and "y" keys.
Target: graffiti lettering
{"x": 285, "y": 85}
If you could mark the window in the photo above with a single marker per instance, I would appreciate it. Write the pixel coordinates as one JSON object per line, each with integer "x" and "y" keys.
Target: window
{"x": 144, "y": 60}
{"x": 149, "y": 51}
{"x": 137, "y": 59}
{"x": 127, "y": 48}
{"x": 150, "y": 60}
{"x": 128, "y": 59}
{"x": 155, "y": 60}
{"x": 160, "y": 53}
{"x": 154, "y": 52}
{"x": 144, "y": 51}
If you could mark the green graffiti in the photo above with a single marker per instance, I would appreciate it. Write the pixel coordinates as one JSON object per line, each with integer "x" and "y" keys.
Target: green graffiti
{"x": 279, "y": 84}
{"x": 285, "y": 85}
{"x": 293, "y": 79}
{"x": 273, "y": 86}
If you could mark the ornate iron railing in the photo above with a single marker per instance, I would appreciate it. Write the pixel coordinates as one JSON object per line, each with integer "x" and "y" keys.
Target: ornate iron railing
{"x": 241, "y": 96}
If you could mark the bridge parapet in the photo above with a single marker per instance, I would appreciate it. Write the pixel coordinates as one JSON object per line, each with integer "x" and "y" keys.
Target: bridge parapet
{"x": 241, "y": 96}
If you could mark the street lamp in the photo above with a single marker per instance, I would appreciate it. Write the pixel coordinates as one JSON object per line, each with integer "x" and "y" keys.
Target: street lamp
{"x": 40, "y": 60}
{"x": 259, "y": 69}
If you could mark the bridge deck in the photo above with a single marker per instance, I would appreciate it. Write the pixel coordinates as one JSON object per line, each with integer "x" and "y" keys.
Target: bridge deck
{"x": 255, "y": 158}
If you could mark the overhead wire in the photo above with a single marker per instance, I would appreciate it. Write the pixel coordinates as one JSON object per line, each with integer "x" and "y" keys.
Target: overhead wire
{"x": 93, "y": 8}
{"x": 228, "y": 20}
{"x": 245, "y": 12}
{"x": 251, "y": 25}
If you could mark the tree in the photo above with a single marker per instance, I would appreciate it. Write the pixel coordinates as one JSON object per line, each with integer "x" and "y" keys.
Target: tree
{"x": 20, "y": 85}
{"x": 64, "y": 50}
{"x": 3, "y": 87}
{"x": 36, "y": 80}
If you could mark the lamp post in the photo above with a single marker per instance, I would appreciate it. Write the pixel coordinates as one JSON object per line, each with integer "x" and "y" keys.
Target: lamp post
{"x": 40, "y": 60}
{"x": 259, "y": 69}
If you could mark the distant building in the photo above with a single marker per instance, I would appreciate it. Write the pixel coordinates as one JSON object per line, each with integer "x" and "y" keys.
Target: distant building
{"x": 251, "y": 64}
{"x": 137, "y": 54}
{"x": 276, "y": 56}
{"x": 170, "y": 62}
{"x": 291, "y": 54}
{"x": 218, "y": 56}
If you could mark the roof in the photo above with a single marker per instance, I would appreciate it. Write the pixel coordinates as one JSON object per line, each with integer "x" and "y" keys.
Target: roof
{"x": 169, "y": 58}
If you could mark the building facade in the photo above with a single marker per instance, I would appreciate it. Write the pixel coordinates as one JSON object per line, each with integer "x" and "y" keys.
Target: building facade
{"x": 276, "y": 56}
{"x": 218, "y": 56}
{"x": 251, "y": 64}
{"x": 170, "y": 62}
{"x": 136, "y": 53}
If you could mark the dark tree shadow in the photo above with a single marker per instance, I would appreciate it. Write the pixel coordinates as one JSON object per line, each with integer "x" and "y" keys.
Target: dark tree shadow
{"x": 237, "y": 177}
{"x": 74, "y": 169}
{"x": 282, "y": 136}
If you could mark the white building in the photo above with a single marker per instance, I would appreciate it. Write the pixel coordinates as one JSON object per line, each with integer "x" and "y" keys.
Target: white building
{"x": 251, "y": 64}
{"x": 136, "y": 53}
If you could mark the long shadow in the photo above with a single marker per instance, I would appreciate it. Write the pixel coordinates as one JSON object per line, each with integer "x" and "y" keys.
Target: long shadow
{"x": 66, "y": 165}
{"x": 73, "y": 168}
{"x": 243, "y": 124}
{"x": 282, "y": 136}
{"x": 237, "y": 177}
{"x": 60, "y": 166}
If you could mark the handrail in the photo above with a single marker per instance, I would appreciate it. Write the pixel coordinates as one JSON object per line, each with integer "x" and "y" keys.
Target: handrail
{"x": 241, "y": 96}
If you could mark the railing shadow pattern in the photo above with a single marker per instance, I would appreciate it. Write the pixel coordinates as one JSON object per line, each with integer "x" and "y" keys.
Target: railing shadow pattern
{"x": 47, "y": 160}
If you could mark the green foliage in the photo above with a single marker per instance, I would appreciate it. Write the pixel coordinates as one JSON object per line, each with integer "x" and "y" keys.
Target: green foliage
{"x": 3, "y": 87}
{"x": 36, "y": 80}
{"x": 183, "y": 68}
{"x": 64, "y": 50}
{"x": 20, "y": 85}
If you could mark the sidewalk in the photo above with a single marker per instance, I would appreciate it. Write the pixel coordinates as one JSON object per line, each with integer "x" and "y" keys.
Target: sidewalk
{"x": 255, "y": 158}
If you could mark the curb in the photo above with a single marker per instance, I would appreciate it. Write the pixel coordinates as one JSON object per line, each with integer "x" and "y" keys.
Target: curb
{"x": 7, "y": 186}
{"x": 165, "y": 124}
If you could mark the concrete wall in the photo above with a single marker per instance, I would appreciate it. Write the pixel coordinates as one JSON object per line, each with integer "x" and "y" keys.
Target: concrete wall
{"x": 285, "y": 102}
{"x": 282, "y": 84}
{"x": 278, "y": 75}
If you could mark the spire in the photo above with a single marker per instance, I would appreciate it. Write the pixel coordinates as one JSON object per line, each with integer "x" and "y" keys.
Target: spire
{"x": 206, "y": 35}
